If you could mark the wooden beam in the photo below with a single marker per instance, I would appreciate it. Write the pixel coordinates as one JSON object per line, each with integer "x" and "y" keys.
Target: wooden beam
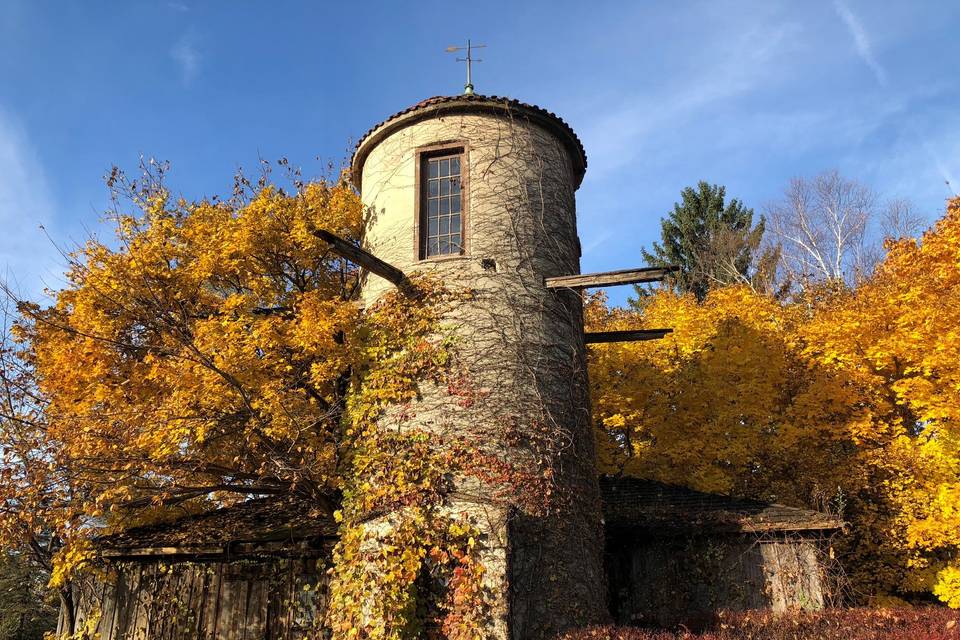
{"x": 133, "y": 552}
{"x": 610, "y": 278}
{"x": 367, "y": 260}
{"x": 633, "y": 335}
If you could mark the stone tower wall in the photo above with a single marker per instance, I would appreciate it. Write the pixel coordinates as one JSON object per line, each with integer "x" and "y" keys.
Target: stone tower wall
{"x": 520, "y": 343}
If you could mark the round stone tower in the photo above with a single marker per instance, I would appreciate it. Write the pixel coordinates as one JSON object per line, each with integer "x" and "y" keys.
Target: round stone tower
{"x": 479, "y": 191}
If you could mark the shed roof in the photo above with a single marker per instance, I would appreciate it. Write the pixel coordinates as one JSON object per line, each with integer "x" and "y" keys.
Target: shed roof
{"x": 656, "y": 506}
{"x": 255, "y": 522}
{"x": 438, "y": 106}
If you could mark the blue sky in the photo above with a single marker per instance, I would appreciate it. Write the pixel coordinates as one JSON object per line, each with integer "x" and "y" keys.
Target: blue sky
{"x": 745, "y": 94}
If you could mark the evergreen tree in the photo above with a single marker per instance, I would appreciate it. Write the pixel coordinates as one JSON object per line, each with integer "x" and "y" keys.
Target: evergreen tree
{"x": 713, "y": 243}
{"x": 27, "y": 608}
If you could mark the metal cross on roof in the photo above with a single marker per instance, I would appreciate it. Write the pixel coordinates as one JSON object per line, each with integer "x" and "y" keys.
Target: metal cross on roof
{"x": 467, "y": 88}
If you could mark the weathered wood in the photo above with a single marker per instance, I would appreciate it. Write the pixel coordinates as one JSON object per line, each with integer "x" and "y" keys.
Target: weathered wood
{"x": 673, "y": 580}
{"x": 634, "y": 335}
{"x": 160, "y": 551}
{"x": 367, "y": 260}
{"x": 609, "y": 278}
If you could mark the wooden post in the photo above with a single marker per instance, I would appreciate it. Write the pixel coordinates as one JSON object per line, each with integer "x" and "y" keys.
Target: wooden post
{"x": 625, "y": 336}
{"x": 609, "y": 278}
{"x": 367, "y": 260}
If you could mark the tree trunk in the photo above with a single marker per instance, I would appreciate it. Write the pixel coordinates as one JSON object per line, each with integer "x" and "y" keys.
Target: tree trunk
{"x": 69, "y": 614}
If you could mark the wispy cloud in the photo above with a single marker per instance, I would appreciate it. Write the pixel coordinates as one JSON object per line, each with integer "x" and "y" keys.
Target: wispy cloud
{"x": 596, "y": 242}
{"x": 27, "y": 257}
{"x": 178, "y": 6}
{"x": 861, "y": 40}
{"x": 615, "y": 136}
{"x": 185, "y": 54}
{"x": 953, "y": 186}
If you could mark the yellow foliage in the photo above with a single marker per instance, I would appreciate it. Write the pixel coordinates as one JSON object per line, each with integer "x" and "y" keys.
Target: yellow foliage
{"x": 217, "y": 349}
{"x": 840, "y": 398}
{"x": 72, "y": 558}
{"x": 947, "y": 587}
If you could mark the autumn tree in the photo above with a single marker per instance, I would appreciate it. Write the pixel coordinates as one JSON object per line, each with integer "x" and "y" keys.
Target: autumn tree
{"x": 896, "y": 338}
{"x": 37, "y": 498}
{"x": 215, "y": 350}
{"x": 840, "y": 397}
{"x": 713, "y": 242}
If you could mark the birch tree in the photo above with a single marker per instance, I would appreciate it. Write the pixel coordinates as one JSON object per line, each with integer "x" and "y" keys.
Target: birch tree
{"x": 821, "y": 225}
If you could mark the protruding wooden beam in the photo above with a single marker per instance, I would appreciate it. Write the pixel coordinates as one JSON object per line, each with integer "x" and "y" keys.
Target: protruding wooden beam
{"x": 367, "y": 260}
{"x": 633, "y": 335}
{"x": 610, "y": 278}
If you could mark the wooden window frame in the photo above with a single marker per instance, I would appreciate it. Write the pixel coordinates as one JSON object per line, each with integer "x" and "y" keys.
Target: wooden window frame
{"x": 448, "y": 148}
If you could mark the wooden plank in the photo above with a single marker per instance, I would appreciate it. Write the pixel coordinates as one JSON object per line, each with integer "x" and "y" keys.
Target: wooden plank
{"x": 108, "y": 622}
{"x": 367, "y": 260}
{"x": 256, "y": 608}
{"x": 214, "y": 603}
{"x": 128, "y": 605}
{"x": 137, "y": 627}
{"x": 195, "y": 600}
{"x": 609, "y": 278}
{"x": 229, "y": 624}
{"x": 207, "y": 600}
{"x": 634, "y": 335}
{"x": 139, "y": 552}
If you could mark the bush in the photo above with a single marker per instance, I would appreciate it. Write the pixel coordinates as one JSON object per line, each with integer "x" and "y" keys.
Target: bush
{"x": 926, "y": 623}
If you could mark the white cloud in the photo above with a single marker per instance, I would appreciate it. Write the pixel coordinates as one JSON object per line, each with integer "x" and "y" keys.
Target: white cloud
{"x": 185, "y": 54}
{"x": 596, "y": 242}
{"x": 27, "y": 258}
{"x": 861, "y": 40}
{"x": 614, "y": 137}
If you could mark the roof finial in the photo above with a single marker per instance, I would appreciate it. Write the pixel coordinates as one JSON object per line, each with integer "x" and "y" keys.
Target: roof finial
{"x": 468, "y": 88}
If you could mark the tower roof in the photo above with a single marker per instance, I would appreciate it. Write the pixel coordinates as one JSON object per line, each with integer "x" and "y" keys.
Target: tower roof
{"x": 438, "y": 106}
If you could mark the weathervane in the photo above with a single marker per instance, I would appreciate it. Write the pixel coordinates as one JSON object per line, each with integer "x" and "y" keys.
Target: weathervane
{"x": 467, "y": 88}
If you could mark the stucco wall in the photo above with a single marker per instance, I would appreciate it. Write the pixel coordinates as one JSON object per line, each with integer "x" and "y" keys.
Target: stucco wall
{"x": 520, "y": 344}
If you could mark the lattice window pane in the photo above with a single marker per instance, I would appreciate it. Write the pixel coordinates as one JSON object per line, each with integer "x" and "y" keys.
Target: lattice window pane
{"x": 442, "y": 222}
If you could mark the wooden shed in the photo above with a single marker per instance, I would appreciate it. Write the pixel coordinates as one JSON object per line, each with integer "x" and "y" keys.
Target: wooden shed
{"x": 676, "y": 555}
{"x": 254, "y": 571}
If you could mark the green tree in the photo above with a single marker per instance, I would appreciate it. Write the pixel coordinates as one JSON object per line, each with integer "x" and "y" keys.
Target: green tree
{"x": 27, "y": 607}
{"x": 713, "y": 243}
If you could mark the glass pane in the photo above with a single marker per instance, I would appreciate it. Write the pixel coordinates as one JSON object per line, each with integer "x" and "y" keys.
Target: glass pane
{"x": 444, "y": 187}
{"x": 444, "y": 246}
{"x": 455, "y": 245}
{"x": 444, "y": 226}
{"x": 444, "y": 168}
{"x": 433, "y": 227}
{"x": 434, "y": 167}
{"x": 434, "y": 207}
{"x": 433, "y": 188}
{"x": 454, "y": 186}
{"x": 444, "y": 206}
{"x": 455, "y": 166}
{"x": 455, "y": 204}
{"x": 455, "y": 224}
{"x": 434, "y": 247}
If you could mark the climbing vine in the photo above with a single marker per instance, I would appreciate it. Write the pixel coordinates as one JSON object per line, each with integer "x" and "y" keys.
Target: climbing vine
{"x": 218, "y": 349}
